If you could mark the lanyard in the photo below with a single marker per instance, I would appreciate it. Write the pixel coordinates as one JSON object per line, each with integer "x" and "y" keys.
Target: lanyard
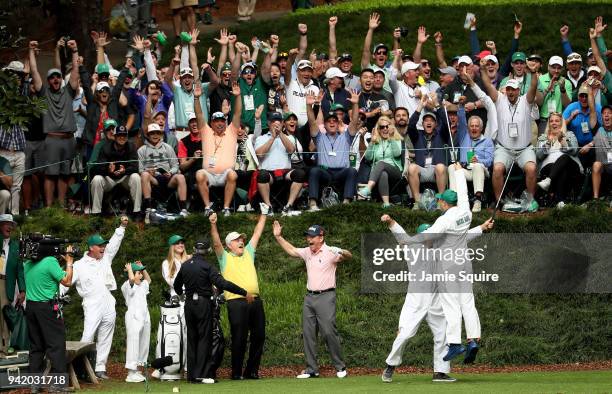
{"x": 217, "y": 145}
{"x": 515, "y": 108}
{"x": 384, "y": 145}
{"x": 334, "y": 144}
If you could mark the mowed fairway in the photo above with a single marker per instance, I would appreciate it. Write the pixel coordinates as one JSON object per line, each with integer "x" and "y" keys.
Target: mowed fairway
{"x": 525, "y": 382}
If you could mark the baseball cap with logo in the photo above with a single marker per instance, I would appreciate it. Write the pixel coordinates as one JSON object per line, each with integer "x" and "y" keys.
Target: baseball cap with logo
{"x": 96, "y": 240}
{"x": 337, "y": 107}
{"x": 121, "y": 130}
{"x": 409, "y": 66}
{"x": 274, "y": 116}
{"x": 422, "y": 227}
{"x": 583, "y": 89}
{"x": 137, "y": 267}
{"x": 108, "y": 123}
{"x": 226, "y": 67}
{"x": 314, "y": 231}
{"x": 535, "y": 57}
{"x": 334, "y": 72}
{"x": 330, "y": 115}
{"x": 174, "y": 239}
{"x": 218, "y": 115}
{"x": 233, "y": 236}
{"x": 248, "y": 65}
{"x": 102, "y": 85}
{"x": 322, "y": 56}
{"x": 14, "y": 66}
{"x": 186, "y": 71}
{"x": 595, "y": 69}
{"x": 304, "y": 64}
{"x": 513, "y": 83}
{"x": 345, "y": 56}
{"x": 282, "y": 55}
{"x": 380, "y": 46}
{"x": 492, "y": 58}
{"x": 519, "y": 57}
{"x": 555, "y": 60}
{"x": 153, "y": 127}
{"x": 450, "y": 196}
{"x": 574, "y": 57}
{"x": 465, "y": 60}
{"x": 288, "y": 115}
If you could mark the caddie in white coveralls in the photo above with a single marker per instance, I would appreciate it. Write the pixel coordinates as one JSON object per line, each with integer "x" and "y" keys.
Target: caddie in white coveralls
{"x": 94, "y": 280}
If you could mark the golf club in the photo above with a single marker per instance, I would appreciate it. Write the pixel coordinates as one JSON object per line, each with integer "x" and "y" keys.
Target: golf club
{"x": 502, "y": 191}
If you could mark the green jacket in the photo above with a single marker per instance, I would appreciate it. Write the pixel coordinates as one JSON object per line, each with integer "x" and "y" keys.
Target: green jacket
{"x": 389, "y": 151}
{"x": 14, "y": 270}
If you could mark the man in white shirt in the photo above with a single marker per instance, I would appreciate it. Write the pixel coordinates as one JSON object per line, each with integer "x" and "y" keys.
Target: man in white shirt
{"x": 407, "y": 92}
{"x": 94, "y": 280}
{"x": 298, "y": 89}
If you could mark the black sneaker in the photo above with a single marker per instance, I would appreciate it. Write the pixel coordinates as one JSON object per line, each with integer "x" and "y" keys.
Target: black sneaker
{"x": 387, "y": 375}
{"x": 442, "y": 377}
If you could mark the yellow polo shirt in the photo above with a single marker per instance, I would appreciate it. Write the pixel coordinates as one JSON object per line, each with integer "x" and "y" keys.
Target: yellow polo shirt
{"x": 240, "y": 270}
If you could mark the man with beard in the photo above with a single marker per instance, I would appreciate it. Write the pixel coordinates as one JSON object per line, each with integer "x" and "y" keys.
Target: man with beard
{"x": 59, "y": 123}
{"x": 379, "y": 82}
{"x": 351, "y": 81}
{"x": 400, "y": 116}
{"x": 369, "y": 100}
{"x": 575, "y": 73}
{"x": 425, "y": 74}
{"x": 121, "y": 170}
{"x": 380, "y": 53}
{"x": 460, "y": 88}
{"x": 556, "y": 91}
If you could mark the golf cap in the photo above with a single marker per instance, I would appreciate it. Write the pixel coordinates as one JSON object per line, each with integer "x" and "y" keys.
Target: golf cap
{"x": 288, "y": 115}
{"x": 202, "y": 244}
{"x": 248, "y": 65}
{"x": 174, "y": 239}
{"x": 379, "y": 46}
{"x": 535, "y": 57}
{"x": 583, "y": 89}
{"x": 407, "y": 57}
{"x": 519, "y": 56}
{"x": 422, "y": 227}
{"x": 594, "y": 68}
{"x": 282, "y": 55}
{"x": 7, "y": 218}
{"x": 465, "y": 60}
{"x": 190, "y": 116}
{"x": 102, "y": 68}
{"x": 218, "y": 115}
{"x": 226, "y": 67}
{"x": 555, "y": 60}
{"x": 160, "y": 112}
{"x": 186, "y": 71}
{"x": 448, "y": 70}
{"x": 334, "y": 72}
{"x": 137, "y": 267}
{"x": 492, "y": 58}
{"x": 153, "y": 127}
{"x": 337, "y": 107}
{"x": 409, "y": 66}
{"x": 590, "y": 52}
{"x": 121, "y": 130}
{"x": 274, "y": 116}
{"x": 322, "y": 56}
{"x": 513, "y": 83}
{"x": 455, "y": 59}
{"x": 450, "y": 196}
{"x": 345, "y": 56}
{"x": 431, "y": 114}
{"x": 54, "y": 71}
{"x": 330, "y": 115}
{"x": 233, "y": 236}
{"x": 314, "y": 231}
{"x": 15, "y": 66}
{"x": 108, "y": 123}
{"x": 102, "y": 85}
{"x": 114, "y": 73}
{"x": 302, "y": 64}
{"x": 96, "y": 240}
{"x": 483, "y": 54}
{"x": 574, "y": 57}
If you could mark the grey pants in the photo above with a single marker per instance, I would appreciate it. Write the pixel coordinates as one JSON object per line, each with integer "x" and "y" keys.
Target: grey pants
{"x": 383, "y": 173}
{"x": 319, "y": 312}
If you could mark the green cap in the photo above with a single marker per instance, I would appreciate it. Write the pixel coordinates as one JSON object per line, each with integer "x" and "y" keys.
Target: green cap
{"x": 519, "y": 56}
{"x": 337, "y": 106}
{"x": 226, "y": 67}
{"x": 103, "y": 68}
{"x": 450, "y": 196}
{"x": 95, "y": 239}
{"x": 185, "y": 37}
{"x": 137, "y": 267}
{"x": 174, "y": 239}
{"x": 289, "y": 114}
{"x": 109, "y": 123}
{"x": 423, "y": 227}
{"x": 161, "y": 38}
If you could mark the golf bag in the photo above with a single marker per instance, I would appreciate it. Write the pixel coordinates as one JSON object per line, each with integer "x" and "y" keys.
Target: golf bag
{"x": 218, "y": 340}
{"x": 171, "y": 339}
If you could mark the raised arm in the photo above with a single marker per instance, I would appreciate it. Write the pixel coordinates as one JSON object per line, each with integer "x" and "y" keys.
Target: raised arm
{"x": 212, "y": 77}
{"x": 223, "y": 41}
{"x": 286, "y": 245}
{"x": 439, "y": 49}
{"x": 303, "y": 45}
{"x": 259, "y": 228}
{"x": 592, "y": 109}
{"x": 354, "y": 123}
{"x": 74, "y": 72}
{"x": 533, "y": 86}
{"x": 486, "y": 81}
{"x": 237, "y": 105}
{"x": 265, "y": 67}
{"x": 593, "y": 34}
{"x": 367, "y": 43}
{"x": 422, "y": 37}
{"x": 333, "y": 51}
{"x": 290, "y": 62}
{"x": 115, "y": 242}
{"x": 197, "y": 93}
{"x": 474, "y": 44}
{"x": 312, "y": 121}
{"x": 176, "y": 60}
{"x": 57, "y": 62}
{"x": 193, "y": 54}
{"x": 36, "y": 80}
{"x": 214, "y": 234}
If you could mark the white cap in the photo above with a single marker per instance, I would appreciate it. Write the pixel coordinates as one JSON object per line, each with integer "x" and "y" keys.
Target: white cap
{"x": 492, "y": 58}
{"x": 186, "y": 71}
{"x": 465, "y": 60}
{"x": 232, "y": 236}
{"x": 102, "y": 85}
{"x": 409, "y": 66}
{"x": 555, "y": 60}
{"x": 513, "y": 83}
{"x": 594, "y": 68}
{"x": 334, "y": 72}
{"x": 153, "y": 127}
{"x": 14, "y": 66}
{"x": 7, "y": 217}
{"x": 190, "y": 115}
{"x": 114, "y": 73}
{"x": 302, "y": 64}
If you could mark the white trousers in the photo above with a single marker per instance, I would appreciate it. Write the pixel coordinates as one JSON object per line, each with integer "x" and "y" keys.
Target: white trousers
{"x": 456, "y": 305}
{"x": 138, "y": 329}
{"x": 416, "y": 307}
{"x": 17, "y": 162}
{"x": 100, "y": 322}
{"x": 5, "y": 200}
{"x": 477, "y": 174}
{"x": 103, "y": 184}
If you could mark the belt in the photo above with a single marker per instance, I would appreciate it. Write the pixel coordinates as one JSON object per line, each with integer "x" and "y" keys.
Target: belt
{"x": 321, "y": 291}
{"x": 60, "y": 135}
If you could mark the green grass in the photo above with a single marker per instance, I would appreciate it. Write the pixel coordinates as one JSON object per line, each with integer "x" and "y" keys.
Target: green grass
{"x": 530, "y": 382}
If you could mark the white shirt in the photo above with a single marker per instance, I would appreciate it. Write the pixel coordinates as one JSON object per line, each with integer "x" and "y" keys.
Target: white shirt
{"x": 276, "y": 158}
{"x": 166, "y": 274}
{"x": 94, "y": 278}
{"x": 296, "y": 99}
{"x": 508, "y": 115}
{"x": 406, "y": 97}
{"x": 5, "y": 252}
{"x": 136, "y": 299}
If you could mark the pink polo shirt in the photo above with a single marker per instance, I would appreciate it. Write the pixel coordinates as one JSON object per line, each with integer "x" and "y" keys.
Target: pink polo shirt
{"x": 320, "y": 267}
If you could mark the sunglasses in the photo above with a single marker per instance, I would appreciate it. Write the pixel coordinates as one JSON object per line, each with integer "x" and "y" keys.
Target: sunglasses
{"x": 283, "y": 54}
{"x": 104, "y": 90}
{"x": 383, "y": 126}
{"x": 248, "y": 71}
{"x": 384, "y": 53}
{"x": 425, "y": 63}
{"x": 226, "y": 74}
{"x": 54, "y": 76}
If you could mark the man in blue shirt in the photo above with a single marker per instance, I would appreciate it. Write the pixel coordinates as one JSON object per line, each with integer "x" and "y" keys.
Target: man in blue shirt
{"x": 583, "y": 117}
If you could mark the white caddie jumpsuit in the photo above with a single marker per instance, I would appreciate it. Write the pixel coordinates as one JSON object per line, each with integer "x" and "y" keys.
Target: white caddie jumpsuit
{"x": 137, "y": 324}
{"x": 94, "y": 282}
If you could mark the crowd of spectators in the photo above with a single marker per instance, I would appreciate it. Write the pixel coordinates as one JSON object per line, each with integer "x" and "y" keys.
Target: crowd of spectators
{"x": 202, "y": 135}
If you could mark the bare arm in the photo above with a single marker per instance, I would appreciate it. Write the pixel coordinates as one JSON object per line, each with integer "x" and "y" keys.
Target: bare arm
{"x": 57, "y": 62}
{"x": 214, "y": 234}
{"x": 67, "y": 281}
{"x": 422, "y": 37}
{"x": 259, "y": 228}
{"x": 290, "y": 61}
{"x": 169, "y": 77}
{"x": 354, "y": 123}
{"x": 533, "y": 87}
{"x": 237, "y": 105}
{"x": 333, "y": 51}
{"x": 367, "y": 43}
{"x": 303, "y": 45}
{"x": 36, "y": 80}
{"x": 592, "y": 111}
{"x": 287, "y": 247}
{"x": 193, "y": 55}
{"x": 223, "y": 41}
{"x": 265, "y": 67}
{"x": 74, "y": 73}
{"x": 439, "y": 50}
{"x": 312, "y": 121}
{"x": 486, "y": 81}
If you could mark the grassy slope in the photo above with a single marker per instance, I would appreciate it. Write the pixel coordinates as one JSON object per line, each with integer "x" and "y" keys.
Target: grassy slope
{"x": 518, "y": 329}
{"x": 541, "y": 23}
{"x": 530, "y": 382}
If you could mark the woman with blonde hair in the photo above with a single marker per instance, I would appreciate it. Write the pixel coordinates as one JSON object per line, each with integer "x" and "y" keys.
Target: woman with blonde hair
{"x": 558, "y": 164}
{"x": 176, "y": 256}
{"x": 385, "y": 153}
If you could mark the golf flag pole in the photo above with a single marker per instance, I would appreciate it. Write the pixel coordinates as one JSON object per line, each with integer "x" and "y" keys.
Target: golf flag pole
{"x": 502, "y": 191}
{"x": 453, "y": 153}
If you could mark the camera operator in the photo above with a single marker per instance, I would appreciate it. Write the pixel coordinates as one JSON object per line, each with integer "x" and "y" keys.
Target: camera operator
{"x": 46, "y": 330}
{"x": 198, "y": 276}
